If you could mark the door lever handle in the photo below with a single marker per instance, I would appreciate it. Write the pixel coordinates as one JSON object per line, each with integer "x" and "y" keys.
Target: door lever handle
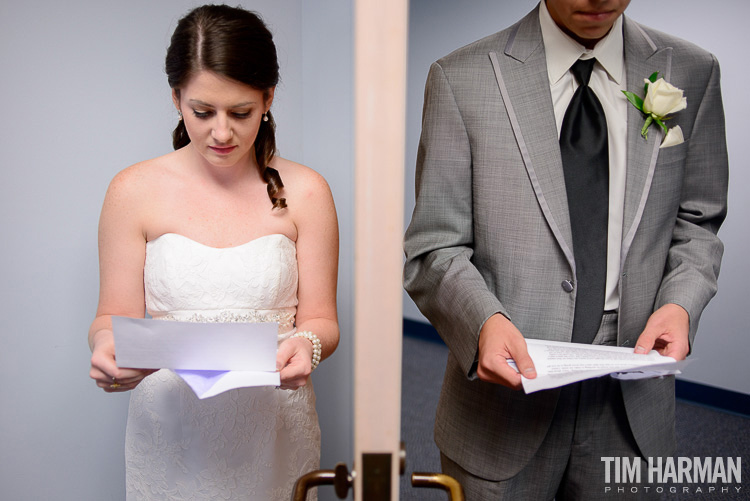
{"x": 338, "y": 477}
{"x": 439, "y": 481}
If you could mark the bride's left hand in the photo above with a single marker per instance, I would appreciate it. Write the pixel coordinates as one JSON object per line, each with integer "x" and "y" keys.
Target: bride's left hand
{"x": 294, "y": 362}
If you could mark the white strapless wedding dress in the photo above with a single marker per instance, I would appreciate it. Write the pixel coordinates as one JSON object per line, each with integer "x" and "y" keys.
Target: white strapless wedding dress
{"x": 244, "y": 444}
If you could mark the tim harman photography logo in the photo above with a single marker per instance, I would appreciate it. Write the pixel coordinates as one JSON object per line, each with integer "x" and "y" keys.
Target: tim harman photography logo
{"x": 695, "y": 475}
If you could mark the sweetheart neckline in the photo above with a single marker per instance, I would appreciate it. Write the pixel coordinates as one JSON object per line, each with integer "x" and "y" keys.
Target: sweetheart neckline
{"x": 222, "y": 248}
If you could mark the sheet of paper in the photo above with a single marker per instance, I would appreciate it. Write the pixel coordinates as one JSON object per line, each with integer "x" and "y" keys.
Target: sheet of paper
{"x": 558, "y": 363}
{"x": 157, "y": 344}
{"x": 210, "y": 357}
{"x": 210, "y": 383}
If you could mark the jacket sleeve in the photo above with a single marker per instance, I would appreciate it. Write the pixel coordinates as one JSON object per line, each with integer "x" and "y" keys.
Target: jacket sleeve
{"x": 439, "y": 274}
{"x": 694, "y": 257}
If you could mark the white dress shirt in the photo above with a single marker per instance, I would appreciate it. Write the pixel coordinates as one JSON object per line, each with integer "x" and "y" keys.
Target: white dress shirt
{"x": 607, "y": 82}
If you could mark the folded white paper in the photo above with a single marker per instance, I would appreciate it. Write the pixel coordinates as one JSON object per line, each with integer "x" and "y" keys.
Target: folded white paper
{"x": 209, "y": 383}
{"x": 559, "y": 363}
{"x": 157, "y": 344}
{"x": 210, "y": 357}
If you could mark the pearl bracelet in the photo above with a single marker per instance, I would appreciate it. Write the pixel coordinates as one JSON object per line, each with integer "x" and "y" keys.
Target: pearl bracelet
{"x": 316, "y": 346}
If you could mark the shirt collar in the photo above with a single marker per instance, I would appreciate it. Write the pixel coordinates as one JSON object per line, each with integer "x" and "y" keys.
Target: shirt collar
{"x": 562, "y": 51}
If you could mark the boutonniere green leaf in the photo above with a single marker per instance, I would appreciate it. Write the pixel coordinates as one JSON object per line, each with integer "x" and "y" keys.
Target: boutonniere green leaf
{"x": 660, "y": 100}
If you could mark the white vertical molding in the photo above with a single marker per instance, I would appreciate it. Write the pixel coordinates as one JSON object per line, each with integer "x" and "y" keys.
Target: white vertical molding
{"x": 380, "y": 44}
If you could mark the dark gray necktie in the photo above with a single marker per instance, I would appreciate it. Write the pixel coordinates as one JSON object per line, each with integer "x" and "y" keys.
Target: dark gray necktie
{"x": 585, "y": 157}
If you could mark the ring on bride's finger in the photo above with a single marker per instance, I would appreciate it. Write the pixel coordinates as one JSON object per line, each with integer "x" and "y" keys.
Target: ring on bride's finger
{"x": 114, "y": 384}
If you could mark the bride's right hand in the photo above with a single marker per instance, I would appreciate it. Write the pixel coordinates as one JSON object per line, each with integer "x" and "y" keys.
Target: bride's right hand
{"x": 104, "y": 369}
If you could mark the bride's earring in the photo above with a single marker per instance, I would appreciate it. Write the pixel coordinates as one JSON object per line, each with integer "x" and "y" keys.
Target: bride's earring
{"x": 179, "y": 114}
{"x": 265, "y": 117}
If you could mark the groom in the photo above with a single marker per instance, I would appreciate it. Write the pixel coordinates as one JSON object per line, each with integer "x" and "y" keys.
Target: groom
{"x": 528, "y": 226}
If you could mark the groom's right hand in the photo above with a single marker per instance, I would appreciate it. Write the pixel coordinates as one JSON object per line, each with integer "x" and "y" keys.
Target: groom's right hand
{"x": 500, "y": 340}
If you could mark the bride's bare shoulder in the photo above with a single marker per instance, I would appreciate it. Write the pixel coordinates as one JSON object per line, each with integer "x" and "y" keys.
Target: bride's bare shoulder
{"x": 142, "y": 181}
{"x": 309, "y": 200}
{"x": 152, "y": 173}
{"x": 300, "y": 181}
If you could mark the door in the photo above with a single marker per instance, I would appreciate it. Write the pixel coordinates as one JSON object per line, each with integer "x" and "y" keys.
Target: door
{"x": 380, "y": 49}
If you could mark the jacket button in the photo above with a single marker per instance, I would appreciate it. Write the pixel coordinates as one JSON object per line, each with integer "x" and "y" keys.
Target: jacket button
{"x": 567, "y": 286}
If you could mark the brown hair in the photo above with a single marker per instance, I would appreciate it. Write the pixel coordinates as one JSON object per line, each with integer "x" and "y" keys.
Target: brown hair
{"x": 234, "y": 43}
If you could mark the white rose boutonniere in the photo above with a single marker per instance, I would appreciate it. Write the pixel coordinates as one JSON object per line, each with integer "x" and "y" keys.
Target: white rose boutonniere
{"x": 661, "y": 99}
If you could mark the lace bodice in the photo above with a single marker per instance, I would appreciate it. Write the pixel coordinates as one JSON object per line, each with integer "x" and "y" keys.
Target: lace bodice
{"x": 181, "y": 274}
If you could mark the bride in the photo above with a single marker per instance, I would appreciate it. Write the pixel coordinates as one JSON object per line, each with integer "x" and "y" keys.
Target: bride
{"x": 210, "y": 233}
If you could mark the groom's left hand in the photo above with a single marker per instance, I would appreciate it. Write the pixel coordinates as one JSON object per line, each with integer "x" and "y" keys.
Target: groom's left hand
{"x": 667, "y": 331}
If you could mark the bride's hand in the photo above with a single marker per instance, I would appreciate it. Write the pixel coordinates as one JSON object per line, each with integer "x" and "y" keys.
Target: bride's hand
{"x": 294, "y": 362}
{"x": 104, "y": 369}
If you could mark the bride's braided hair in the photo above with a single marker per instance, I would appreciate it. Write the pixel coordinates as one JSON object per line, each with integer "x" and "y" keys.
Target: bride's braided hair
{"x": 235, "y": 43}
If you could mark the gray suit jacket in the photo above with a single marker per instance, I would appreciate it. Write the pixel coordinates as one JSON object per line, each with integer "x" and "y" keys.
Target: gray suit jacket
{"x": 491, "y": 233}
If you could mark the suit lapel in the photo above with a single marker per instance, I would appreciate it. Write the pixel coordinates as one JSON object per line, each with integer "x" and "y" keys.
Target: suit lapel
{"x": 642, "y": 58}
{"x": 521, "y": 72}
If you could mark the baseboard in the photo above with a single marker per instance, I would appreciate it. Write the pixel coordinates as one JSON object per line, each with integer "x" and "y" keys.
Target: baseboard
{"x": 711, "y": 396}
{"x": 421, "y": 330}
{"x": 697, "y": 393}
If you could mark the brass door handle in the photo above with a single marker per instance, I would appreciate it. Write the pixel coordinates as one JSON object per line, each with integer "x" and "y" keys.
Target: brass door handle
{"x": 439, "y": 481}
{"x": 338, "y": 477}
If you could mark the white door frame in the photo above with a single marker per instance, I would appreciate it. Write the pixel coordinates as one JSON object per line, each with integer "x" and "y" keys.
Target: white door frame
{"x": 380, "y": 52}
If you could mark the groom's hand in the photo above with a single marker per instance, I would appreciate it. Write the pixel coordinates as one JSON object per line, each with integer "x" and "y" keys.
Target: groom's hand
{"x": 667, "y": 332}
{"x": 500, "y": 340}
